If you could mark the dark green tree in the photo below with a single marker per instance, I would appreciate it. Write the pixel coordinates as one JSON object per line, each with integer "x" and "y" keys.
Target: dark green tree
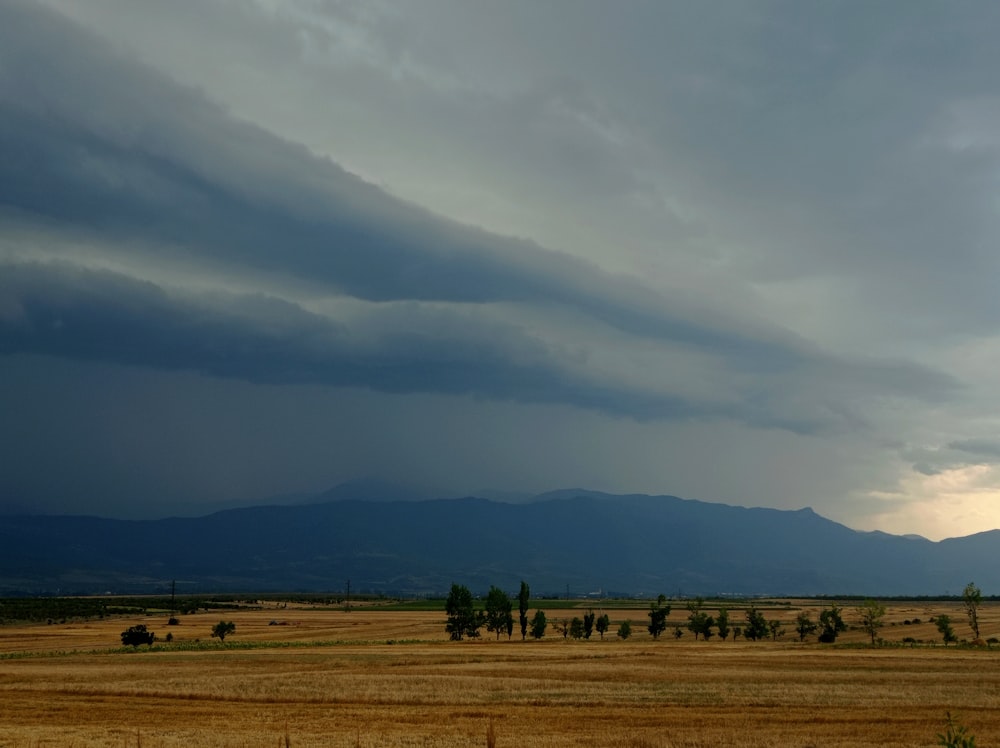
{"x": 133, "y": 636}
{"x": 699, "y": 622}
{"x": 722, "y": 623}
{"x": 463, "y": 618}
{"x": 624, "y": 629}
{"x": 538, "y": 624}
{"x": 522, "y": 607}
{"x": 576, "y": 628}
{"x": 223, "y": 629}
{"x": 756, "y": 627}
{"x": 972, "y": 598}
{"x": 603, "y": 624}
{"x": 872, "y": 613}
{"x": 943, "y": 624}
{"x": 658, "y": 613}
{"x": 804, "y": 626}
{"x": 831, "y": 624}
{"x": 588, "y": 623}
{"x": 498, "y": 611}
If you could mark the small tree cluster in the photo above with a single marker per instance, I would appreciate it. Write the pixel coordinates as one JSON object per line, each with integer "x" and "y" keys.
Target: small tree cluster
{"x": 463, "y": 618}
{"x": 136, "y": 635}
{"x": 700, "y": 623}
{"x": 498, "y": 616}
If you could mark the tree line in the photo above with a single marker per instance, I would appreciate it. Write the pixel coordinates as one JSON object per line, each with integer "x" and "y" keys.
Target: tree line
{"x": 465, "y": 619}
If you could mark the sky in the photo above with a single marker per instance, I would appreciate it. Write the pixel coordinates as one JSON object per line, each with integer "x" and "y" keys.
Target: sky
{"x": 742, "y": 252}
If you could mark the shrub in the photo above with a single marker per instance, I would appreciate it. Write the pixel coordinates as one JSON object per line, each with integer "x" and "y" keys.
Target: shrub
{"x": 956, "y": 735}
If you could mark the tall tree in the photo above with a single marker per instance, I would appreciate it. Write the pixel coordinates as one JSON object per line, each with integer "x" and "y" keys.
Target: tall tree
{"x": 722, "y": 623}
{"x": 588, "y": 623}
{"x": 576, "y": 628}
{"x": 831, "y": 623}
{"x": 624, "y": 629}
{"x": 658, "y": 613}
{"x": 972, "y": 598}
{"x": 872, "y": 613}
{"x": 498, "y": 611}
{"x": 522, "y": 607}
{"x": 603, "y": 624}
{"x": 756, "y": 627}
{"x": 943, "y": 623}
{"x": 463, "y": 618}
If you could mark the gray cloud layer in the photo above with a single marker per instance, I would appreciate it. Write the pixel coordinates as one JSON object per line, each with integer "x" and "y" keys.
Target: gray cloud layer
{"x": 746, "y": 231}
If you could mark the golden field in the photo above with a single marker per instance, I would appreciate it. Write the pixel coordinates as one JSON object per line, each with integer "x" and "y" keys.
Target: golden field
{"x": 372, "y": 677}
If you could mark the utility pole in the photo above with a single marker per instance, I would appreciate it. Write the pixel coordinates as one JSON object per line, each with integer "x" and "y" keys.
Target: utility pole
{"x": 348, "y": 607}
{"x": 173, "y": 594}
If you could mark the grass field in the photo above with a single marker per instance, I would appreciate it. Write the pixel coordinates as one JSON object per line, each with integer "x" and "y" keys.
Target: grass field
{"x": 372, "y": 677}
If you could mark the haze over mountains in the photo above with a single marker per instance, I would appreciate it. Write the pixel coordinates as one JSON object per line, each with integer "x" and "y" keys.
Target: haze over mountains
{"x": 581, "y": 541}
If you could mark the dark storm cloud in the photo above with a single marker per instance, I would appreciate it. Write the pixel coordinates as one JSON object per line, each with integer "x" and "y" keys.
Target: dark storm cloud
{"x": 100, "y": 146}
{"x": 67, "y": 312}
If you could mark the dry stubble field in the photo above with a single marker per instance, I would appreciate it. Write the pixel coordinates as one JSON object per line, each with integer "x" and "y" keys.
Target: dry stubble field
{"x": 344, "y": 684}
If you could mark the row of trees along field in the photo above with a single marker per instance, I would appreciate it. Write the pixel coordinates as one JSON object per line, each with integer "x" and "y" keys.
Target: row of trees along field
{"x": 465, "y": 619}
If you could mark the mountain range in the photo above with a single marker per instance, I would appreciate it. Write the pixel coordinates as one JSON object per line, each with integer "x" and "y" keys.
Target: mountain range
{"x": 576, "y": 541}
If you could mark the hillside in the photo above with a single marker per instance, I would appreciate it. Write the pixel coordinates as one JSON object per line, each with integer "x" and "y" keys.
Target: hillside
{"x": 582, "y": 540}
